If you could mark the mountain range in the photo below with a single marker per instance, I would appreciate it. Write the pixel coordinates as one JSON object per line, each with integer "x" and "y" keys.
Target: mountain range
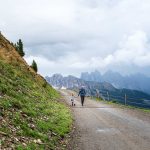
{"x": 134, "y": 82}
{"x": 103, "y": 89}
{"x": 71, "y": 82}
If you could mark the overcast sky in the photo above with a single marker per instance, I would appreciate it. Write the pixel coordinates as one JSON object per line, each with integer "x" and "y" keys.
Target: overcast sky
{"x": 74, "y": 36}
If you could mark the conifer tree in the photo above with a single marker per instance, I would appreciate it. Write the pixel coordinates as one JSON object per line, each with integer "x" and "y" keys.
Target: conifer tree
{"x": 19, "y": 47}
{"x": 34, "y": 66}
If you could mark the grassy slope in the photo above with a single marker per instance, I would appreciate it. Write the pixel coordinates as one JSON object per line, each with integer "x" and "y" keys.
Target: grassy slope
{"x": 30, "y": 115}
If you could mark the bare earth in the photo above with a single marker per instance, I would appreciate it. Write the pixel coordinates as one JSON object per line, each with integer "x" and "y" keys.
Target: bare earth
{"x": 100, "y": 126}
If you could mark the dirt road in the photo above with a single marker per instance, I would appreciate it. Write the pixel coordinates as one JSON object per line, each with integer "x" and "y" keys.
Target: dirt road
{"x": 100, "y": 126}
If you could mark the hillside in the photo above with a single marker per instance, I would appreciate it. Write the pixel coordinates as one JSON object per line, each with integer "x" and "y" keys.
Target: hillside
{"x": 31, "y": 116}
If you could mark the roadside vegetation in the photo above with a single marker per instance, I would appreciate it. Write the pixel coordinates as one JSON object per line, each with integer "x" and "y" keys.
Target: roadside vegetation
{"x": 115, "y": 102}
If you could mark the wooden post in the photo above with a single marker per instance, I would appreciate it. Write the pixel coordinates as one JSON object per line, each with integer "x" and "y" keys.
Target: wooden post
{"x": 125, "y": 99}
{"x": 108, "y": 95}
{"x": 97, "y": 93}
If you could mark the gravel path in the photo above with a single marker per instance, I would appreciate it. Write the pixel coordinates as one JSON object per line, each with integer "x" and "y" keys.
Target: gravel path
{"x": 100, "y": 126}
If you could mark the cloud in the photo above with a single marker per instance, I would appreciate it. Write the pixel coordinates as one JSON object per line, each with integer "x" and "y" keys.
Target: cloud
{"x": 71, "y": 36}
{"x": 133, "y": 49}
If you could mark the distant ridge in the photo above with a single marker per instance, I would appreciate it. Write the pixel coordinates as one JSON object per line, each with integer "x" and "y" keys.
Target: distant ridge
{"x": 134, "y": 82}
{"x": 71, "y": 82}
{"x": 103, "y": 89}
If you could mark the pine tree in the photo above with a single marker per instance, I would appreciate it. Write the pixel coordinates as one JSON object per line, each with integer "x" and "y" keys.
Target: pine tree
{"x": 34, "y": 66}
{"x": 19, "y": 47}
